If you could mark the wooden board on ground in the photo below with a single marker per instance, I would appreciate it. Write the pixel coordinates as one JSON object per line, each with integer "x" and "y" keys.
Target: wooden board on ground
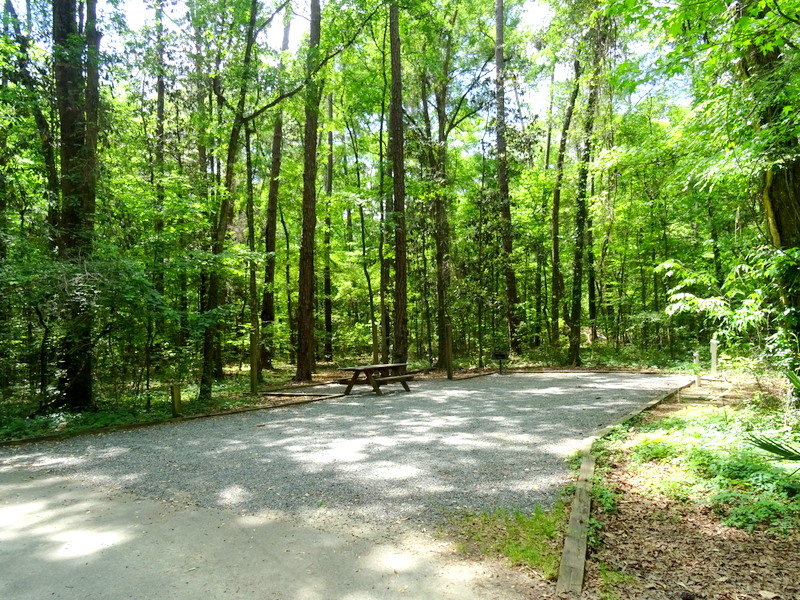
{"x": 573, "y": 559}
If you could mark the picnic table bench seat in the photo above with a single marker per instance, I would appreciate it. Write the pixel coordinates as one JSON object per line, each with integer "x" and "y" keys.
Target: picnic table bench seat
{"x": 401, "y": 379}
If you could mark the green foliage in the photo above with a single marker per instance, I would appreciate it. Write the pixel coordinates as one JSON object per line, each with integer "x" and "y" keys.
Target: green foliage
{"x": 710, "y": 463}
{"x": 62, "y": 424}
{"x": 653, "y": 449}
{"x": 605, "y": 497}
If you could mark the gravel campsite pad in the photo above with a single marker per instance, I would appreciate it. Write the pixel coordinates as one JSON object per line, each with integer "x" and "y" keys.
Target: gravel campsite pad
{"x": 479, "y": 443}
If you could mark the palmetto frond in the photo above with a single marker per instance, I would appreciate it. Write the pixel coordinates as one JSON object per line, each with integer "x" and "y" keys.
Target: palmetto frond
{"x": 780, "y": 450}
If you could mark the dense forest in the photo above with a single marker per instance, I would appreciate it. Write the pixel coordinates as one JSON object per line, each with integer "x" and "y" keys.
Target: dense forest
{"x": 187, "y": 186}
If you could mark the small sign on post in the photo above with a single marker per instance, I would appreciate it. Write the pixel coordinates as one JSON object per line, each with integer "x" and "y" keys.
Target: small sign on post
{"x": 500, "y": 356}
{"x": 697, "y": 369}
{"x": 714, "y": 350}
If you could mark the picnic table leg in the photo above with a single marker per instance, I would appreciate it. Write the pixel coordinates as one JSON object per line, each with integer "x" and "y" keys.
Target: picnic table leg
{"x": 351, "y": 383}
{"x": 376, "y": 387}
{"x": 405, "y": 386}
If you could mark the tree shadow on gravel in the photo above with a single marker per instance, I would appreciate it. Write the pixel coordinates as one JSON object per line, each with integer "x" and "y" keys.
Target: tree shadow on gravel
{"x": 446, "y": 446}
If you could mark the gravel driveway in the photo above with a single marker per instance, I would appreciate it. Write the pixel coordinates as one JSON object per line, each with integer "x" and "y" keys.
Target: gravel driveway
{"x": 479, "y": 443}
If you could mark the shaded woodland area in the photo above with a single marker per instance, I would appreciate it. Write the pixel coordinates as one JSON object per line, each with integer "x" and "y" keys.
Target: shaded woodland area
{"x": 189, "y": 186}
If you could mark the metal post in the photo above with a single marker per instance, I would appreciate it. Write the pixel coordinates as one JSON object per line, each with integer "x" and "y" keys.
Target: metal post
{"x": 714, "y": 350}
{"x": 697, "y": 369}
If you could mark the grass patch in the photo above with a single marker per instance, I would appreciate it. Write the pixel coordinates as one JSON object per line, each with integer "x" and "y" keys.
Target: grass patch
{"x": 529, "y": 540}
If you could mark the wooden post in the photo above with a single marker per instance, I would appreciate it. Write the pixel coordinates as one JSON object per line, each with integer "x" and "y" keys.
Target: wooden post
{"x": 448, "y": 349}
{"x": 697, "y": 369}
{"x": 177, "y": 409}
{"x": 254, "y": 366}
{"x": 714, "y": 351}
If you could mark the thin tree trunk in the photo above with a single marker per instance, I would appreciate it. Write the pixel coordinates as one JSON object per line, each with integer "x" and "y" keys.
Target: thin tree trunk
{"x": 541, "y": 327}
{"x": 158, "y": 259}
{"x": 555, "y": 256}
{"x": 581, "y": 214}
{"x": 400, "y": 353}
{"x": 271, "y": 226}
{"x": 213, "y": 334}
{"x": 386, "y": 209}
{"x": 255, "y": 333}
{"x": 290, "y": 314}
{"x": 364, "y": 257}
{"x": 326, "y": 273}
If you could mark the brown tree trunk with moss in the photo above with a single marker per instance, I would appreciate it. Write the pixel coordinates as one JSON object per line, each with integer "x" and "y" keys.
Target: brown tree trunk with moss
{"x": 77, "y": 100}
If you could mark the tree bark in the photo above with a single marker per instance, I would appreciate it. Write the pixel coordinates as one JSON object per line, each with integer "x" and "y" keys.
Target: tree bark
{"x": 305, "y": 312}
{"x": 326, "y": 272}
{"x": 252, "y": 297}
{"x": 77, "y": 99}
{"x": 506, "y": 234}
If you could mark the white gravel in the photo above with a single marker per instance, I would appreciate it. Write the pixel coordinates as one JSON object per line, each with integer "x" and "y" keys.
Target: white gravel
{"x": 496, "y": 441}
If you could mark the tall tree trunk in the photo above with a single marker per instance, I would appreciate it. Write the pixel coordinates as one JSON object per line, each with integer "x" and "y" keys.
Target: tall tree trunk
{"x": 506, "y": 234}
{"x": 541, "y": 327}
{"x": 202, "y": 185}
{"x": 386, "y": 210}
{"x": 77, "y": 100}
{"x": 158, "y": 259}
{"x": 326, "y": 272}
{"x": 252, "y": 297}
{"x": 555, "y": 256}
{"x": 305, "y": 313}
{"x": 271, "y": 226}
{"x": 396, "y": 144}
{"x": 581, "y": 213}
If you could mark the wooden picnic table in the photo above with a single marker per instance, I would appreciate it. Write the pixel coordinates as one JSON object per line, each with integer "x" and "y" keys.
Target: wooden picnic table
{"x": 377, "y": 375}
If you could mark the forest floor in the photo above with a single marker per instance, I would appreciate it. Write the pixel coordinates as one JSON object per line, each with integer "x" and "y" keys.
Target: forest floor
{"x": 655, "y": 548}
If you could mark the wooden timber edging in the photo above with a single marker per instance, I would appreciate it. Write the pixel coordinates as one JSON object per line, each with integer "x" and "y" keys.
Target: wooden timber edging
{"x": 573, "y": 557}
